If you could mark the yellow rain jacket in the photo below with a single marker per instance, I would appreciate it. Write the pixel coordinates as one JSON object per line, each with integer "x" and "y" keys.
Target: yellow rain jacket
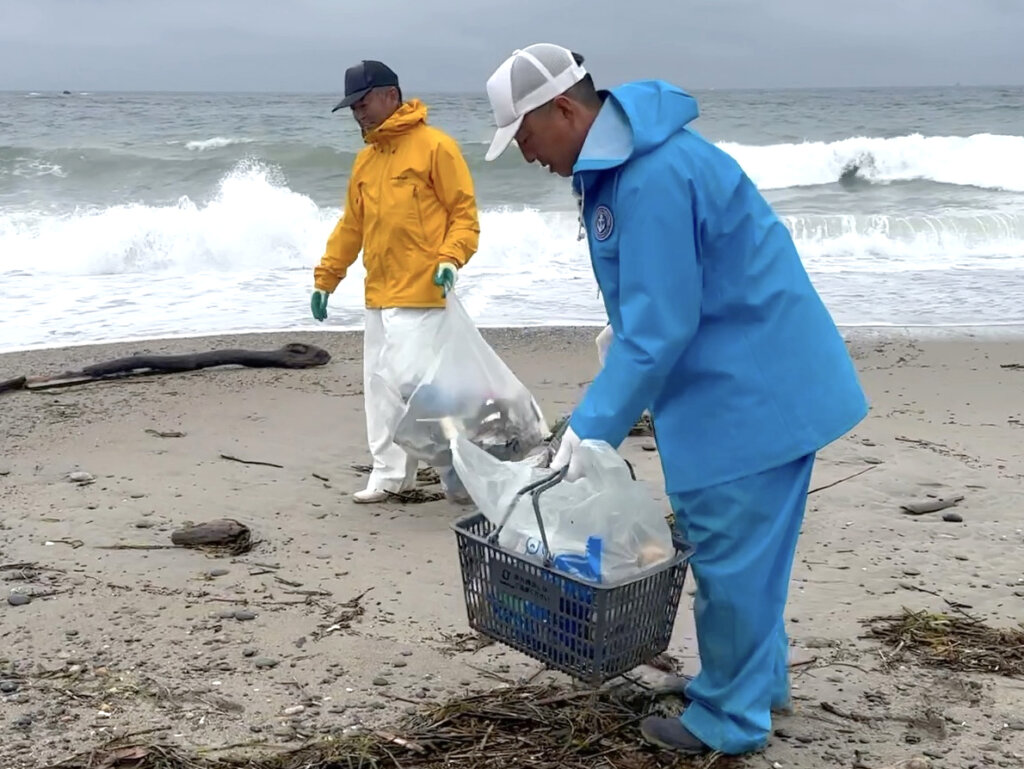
{"x": 410, "y": 205}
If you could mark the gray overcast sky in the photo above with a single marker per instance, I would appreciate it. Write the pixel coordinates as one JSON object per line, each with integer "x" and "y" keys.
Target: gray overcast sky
{"x": 453, "y": 45}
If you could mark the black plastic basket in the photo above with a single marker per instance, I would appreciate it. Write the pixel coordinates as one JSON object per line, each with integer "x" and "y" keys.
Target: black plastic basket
{"x": 592, "y": 632}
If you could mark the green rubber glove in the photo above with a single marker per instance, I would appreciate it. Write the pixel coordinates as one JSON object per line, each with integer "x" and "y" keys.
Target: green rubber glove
{"x": 318, "y": 303}
{"x": 445, "y": 277}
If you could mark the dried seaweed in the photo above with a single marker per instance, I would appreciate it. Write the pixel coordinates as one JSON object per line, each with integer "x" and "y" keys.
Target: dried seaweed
{"x": 960, "y": 643}
{"x": 524, "y": 727}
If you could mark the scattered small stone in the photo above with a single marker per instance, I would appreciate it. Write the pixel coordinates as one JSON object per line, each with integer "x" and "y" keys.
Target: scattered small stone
{"x": 81, "y": 477}
{"x": 399, "y": 664}
{"x": 953, "y": 518}
{"x": 649, "y": 447}
{"x": 381, "y": 681}
{"x": 4, "y": 471}
{"x": 217, "y": 572}
{"x": 244, "y": 615}
{"x": 143, "y": 524}
{"x": 293, "y": 710}
{"x": 137, "y": 495}
{"x": 1016, "y": 726}
{"x": 8, "y": 687}
{"x": 23, "y": 722}
{"x": 19, "y": 599}
{"x": 249, "y": 653}
{"x": 912, "y": 572}
{"x": 265, "y": 662}
{"x": 255, "y": 729}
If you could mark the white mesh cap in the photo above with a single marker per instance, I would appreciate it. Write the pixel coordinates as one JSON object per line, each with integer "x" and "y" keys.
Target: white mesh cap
{"x": 529, "y": 78}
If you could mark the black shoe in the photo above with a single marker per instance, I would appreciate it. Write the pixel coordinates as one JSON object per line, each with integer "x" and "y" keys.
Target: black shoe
{"x": 670, "y": 734}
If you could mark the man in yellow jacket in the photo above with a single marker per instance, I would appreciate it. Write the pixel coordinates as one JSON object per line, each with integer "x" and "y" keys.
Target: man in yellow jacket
{"x": 411, "y": 209}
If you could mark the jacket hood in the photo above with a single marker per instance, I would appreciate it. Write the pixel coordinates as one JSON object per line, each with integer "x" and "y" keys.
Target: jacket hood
{"x": 407, "y": 116}
{"x": 635, "y": 119}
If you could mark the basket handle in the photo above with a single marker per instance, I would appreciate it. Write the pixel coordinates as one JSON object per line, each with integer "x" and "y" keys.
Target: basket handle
{"x": 535, "y": 489}
{"x": 545, "y": 482}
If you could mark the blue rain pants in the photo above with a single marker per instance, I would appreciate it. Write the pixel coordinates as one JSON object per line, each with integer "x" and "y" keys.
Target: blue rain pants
{"x": 745, "y": 534}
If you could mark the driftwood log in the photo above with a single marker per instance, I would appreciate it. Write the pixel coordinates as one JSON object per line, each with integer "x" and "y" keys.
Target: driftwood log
{"x": 293, "y": 355}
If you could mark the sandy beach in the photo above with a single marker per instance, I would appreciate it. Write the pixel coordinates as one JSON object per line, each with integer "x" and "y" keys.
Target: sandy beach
{"x": 346, "y": 616}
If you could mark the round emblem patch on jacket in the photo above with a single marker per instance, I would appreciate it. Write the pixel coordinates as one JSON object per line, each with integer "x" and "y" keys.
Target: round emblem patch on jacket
{"x": 603, "y": 222}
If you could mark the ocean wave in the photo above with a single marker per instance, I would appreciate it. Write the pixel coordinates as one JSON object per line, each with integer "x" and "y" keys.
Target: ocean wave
{"x": 216, "y": 143}
{"x": 254, "y": 222}
{"x": 983, "y": 160}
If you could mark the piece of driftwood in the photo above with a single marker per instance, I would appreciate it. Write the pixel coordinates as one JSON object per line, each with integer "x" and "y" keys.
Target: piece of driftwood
{"x": 292, "y": 356}
{"x": 18, "y": 383}
{"x": 224, "y": 534}
{"x": 930, "y": 506}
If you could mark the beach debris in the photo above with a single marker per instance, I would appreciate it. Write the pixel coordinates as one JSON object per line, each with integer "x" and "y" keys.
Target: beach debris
{"x": 842, "y": 480}
{"x": 568, "y": 729}
{"x": 224, "y": 534}
{"x": 231, "y": 458}
{"x": 341, "y": 617}
{"x": 291, "y": 356}
{"x": 957, "y": 642}
{"x": 18, "y": 383}
{"x": 425, "y": 476}
{"x": 930, "y": 505}
{"x": 416, "y": 496}
{"x": 463, "y": 643}
{"x": 164, "y": 433}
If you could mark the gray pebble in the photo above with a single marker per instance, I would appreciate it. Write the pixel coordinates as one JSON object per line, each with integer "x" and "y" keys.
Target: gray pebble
{"x": 249, "y": 653}
{"x": 19, "y": 599}
{"x": 217, "y": 572}
{"x": 265, "y": 662}
{"x": 1017, "y": 726}
{"x": 81, "y": 477}
{"x": 912, "y": 572}
{"x": 23, "y": 722}
{"x": 143, "y": 524}
{"x": 953, "y": 518}
{"x": 225, "y": 615}
{"x": 243, "y": 615}
{"x": 8, "y": 687}
{"x": 381, "y": 681}
{"x": 399, "y": 664}
{"x": 137, "y": 495}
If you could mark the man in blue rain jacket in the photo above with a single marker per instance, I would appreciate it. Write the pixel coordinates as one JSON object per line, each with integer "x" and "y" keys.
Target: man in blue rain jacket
{"x": 719, "y": 333}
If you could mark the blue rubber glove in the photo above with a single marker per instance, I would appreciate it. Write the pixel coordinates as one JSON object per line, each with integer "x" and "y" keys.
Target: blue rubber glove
{"x": 318, "y": 303}
{"x": 445, "y": 277}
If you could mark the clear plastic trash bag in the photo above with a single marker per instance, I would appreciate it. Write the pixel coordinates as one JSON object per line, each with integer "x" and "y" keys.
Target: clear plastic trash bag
{"x": 603, "y": 527}
{"x": 465, "y": 380}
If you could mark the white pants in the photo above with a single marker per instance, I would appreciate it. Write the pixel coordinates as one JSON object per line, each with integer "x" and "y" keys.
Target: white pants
{"x": 398, "y": 345}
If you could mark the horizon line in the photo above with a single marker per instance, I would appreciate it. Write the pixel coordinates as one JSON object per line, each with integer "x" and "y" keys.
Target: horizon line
{"x": 333, "y": 93}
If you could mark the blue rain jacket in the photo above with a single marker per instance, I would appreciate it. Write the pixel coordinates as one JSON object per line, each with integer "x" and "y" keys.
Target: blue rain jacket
{"x": 718, "y": 331}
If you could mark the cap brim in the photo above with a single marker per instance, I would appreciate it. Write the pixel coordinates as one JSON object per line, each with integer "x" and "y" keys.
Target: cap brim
{"x": 351, "y": 99}
{"x": 502, "y": 138}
